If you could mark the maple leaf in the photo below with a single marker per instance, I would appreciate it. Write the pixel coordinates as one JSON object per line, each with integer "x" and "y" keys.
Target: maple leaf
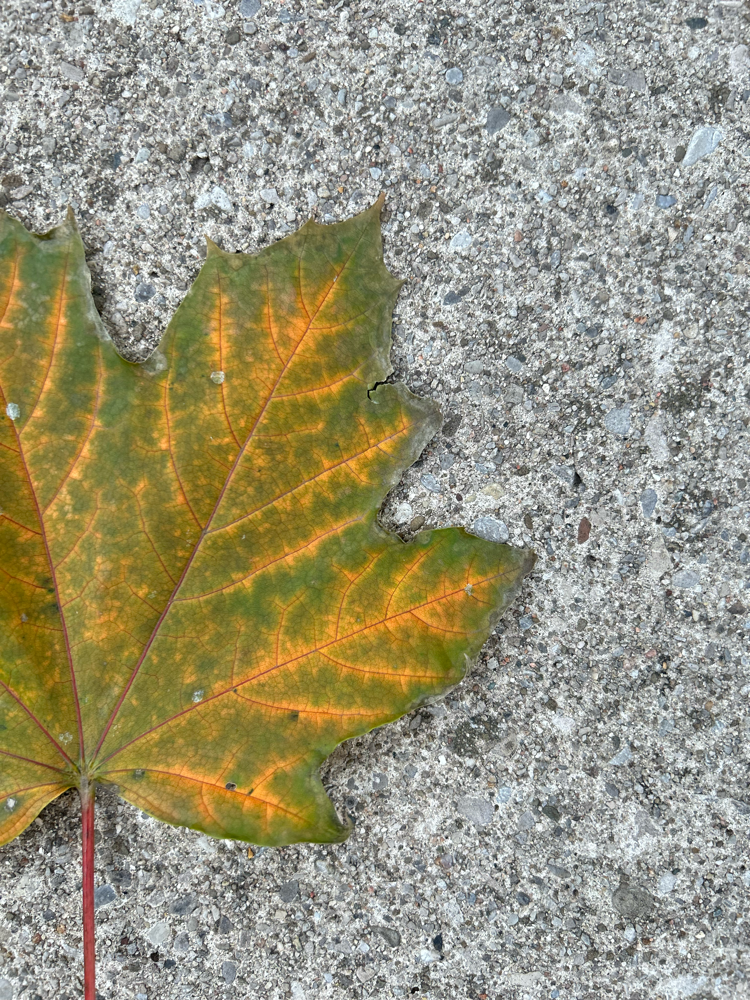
{"x": 197, "y": 602}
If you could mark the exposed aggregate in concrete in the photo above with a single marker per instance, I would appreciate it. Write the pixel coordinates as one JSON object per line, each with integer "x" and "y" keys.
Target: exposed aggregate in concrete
{"x": 566, "y": 194}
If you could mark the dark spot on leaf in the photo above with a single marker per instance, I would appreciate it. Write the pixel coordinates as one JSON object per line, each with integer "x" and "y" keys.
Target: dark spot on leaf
{"x": 231, "y": 786}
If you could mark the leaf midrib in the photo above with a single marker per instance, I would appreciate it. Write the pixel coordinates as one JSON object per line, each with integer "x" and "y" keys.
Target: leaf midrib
{"x": 205, "y": 529}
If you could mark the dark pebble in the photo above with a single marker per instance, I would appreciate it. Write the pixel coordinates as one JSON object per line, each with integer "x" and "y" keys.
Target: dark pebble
{"x": 289, "y": 891}
{"x": 184, "y": 905}
{"x": 176, "y": 151}
{"x": 390, "y": 935}
{"x": 497, "y": 119}
{"x": 453, "y": 297}
{"x": 632, "y": 901}
{"x": 144, "y": 292}
{"x": 104, "y": 895}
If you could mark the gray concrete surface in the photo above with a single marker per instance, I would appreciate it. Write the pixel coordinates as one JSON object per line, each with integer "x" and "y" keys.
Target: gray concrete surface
{"x": 567, "y": 198}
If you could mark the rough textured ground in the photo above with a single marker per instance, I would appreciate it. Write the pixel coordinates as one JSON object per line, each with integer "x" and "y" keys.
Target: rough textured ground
{"x": 574, "y": 820}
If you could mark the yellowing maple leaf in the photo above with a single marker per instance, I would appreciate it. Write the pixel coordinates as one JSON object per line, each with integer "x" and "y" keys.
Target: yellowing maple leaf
{"x": 197, "y": 602}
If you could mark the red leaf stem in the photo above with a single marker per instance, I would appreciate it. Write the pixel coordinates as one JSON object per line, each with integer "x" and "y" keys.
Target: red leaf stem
{"x": 87, "y": 843}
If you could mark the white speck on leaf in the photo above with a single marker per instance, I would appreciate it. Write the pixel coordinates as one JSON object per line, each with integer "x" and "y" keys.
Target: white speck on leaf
{"x": 65, "y": 737}
{"x": 13, "y": 410}
{"x": 217, "y": 377}
{"x": 198, "y": 696}
{"x": 10, "y": 805}
{"x": 469, "y": 589}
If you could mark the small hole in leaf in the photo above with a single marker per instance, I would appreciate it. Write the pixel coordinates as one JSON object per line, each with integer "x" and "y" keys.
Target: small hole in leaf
{"x": 231, "y": 786}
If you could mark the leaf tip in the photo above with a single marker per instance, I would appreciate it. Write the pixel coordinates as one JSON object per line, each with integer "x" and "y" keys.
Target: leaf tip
{"x": 213, "y": 249}
{"x": 68, "y": 227}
